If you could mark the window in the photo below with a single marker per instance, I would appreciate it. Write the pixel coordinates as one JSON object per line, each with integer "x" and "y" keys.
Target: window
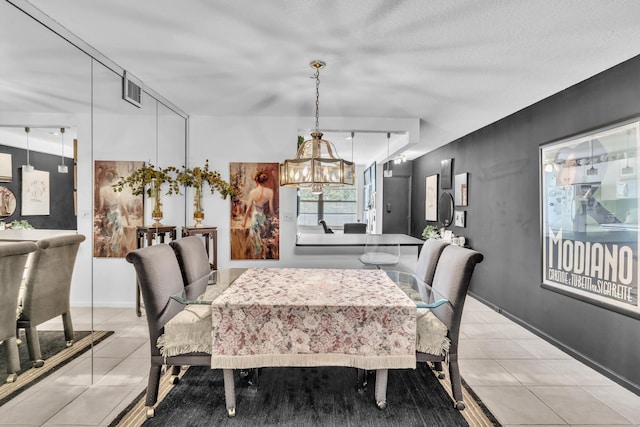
{"x": 335, "y": 205}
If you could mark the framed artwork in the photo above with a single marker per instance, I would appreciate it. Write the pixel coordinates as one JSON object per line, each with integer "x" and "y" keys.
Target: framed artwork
{"x": 460, "y": 191}
{"x": 6, "y": 168}
{"x": 446, "y": 169}
{"x": 7, "y": 202}
{"x": 431, "y": 198}
{"x": 589, "y": 217}
{"x": 35, "y": 193}
{"x": 460, "y": 219}
{"x": 255, "y": 218}
{"x": 116, "y": 215}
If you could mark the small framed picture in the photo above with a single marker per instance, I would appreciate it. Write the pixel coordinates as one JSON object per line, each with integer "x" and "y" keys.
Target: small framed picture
{"x": 431, "y": 198}
{"x": 446, "y": 168}
{"x": 460, "y": 219}
{"x": 461, "y": 183}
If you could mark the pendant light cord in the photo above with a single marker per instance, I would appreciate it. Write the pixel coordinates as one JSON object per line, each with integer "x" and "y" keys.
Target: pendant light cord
{"x": 27, "y": 130}
{"x": 62, "y": 151}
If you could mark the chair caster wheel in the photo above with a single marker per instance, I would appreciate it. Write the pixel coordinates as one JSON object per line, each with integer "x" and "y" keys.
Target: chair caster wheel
{"x": 12, "y": 378}
{"x": 38, "y": 363}
{"x": 69, "y": 343}
{"x": 459, "y": 405}
{"x": 382, "y": 405}
{"x": 441, "y": 375}
{"x": 231, "y": 412}
{"x": 174, "y": 379}
{"x": 150, "y": 412}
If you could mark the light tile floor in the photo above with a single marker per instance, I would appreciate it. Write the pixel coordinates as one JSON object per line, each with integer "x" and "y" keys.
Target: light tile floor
{"x": 522, "y": 379}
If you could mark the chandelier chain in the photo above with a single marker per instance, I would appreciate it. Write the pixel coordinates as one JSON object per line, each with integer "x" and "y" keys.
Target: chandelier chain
{"x": 317, "y": 77}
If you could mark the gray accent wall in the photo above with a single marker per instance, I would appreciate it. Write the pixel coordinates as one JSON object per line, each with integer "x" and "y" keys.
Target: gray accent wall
{"x": 503, "y": 218}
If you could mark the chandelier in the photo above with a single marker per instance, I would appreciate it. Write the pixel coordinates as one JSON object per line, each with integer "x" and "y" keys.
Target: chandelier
{"x": 316, "y": 164}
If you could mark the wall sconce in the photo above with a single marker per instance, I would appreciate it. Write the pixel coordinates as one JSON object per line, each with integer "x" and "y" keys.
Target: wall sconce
{"x": 62, "y": 168}
{"x": 27, "y": 167}
{"x": 591, "y": 171}
{"x": 627, "y": 170}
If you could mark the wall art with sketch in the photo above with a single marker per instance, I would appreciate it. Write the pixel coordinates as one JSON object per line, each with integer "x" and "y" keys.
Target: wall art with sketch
{"x": 35, "y": 193}
{"x": 431, "y": 198}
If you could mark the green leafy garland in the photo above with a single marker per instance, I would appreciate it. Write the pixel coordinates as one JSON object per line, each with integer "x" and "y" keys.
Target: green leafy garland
{"x": 195, "y": 177}
{"x": 189, "y": 177}
{"x": 143, "y": 177}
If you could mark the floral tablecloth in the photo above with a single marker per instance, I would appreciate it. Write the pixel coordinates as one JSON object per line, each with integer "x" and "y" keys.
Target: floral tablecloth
{"x": 313, "y": 317}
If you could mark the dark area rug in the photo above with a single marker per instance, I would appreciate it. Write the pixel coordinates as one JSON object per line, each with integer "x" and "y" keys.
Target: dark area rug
{"x": 54, "y": 353}
{"x": 325, "y": 396}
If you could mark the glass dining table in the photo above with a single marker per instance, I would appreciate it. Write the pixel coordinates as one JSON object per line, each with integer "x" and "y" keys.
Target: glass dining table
{"x": 297, "y": 317}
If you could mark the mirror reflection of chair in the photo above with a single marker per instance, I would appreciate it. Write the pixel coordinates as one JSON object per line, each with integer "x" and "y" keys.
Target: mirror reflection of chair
{"x": 381, "y": 250}
{"x": 451, "y": 279}
{"x": 326, "y": 228}
{"x": 355, "y": 228}
{"x": 13, "y": 257}
{"x": 48, "y": 289}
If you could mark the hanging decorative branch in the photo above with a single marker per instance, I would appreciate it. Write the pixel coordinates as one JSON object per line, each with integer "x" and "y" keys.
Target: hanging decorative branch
{"x": 143, "y": 177}
{"x": 195, "y": 177}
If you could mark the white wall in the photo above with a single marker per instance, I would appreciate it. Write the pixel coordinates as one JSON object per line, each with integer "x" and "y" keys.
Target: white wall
{"x": 221, "y": 140}
{"x": 264, "y": 139}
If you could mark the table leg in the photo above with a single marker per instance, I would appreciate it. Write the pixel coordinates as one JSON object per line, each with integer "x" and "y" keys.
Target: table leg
{"x": 381, "y": 388}
{"x": 229, "y": 392}
{"x": 362, "y": 379}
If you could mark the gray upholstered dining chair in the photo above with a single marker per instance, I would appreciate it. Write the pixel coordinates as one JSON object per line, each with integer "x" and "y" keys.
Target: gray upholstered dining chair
{"x": 451, "y": 279}
{"x": 13, "y": 257}
{"x": 428, "y": 259}
{"x": 194, "y": 265}
{"x": 48, "y": 289}
{"x": 159, "y": 276}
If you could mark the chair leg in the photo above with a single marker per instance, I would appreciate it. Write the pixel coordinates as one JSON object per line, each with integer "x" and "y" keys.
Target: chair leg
{"x": 33, "y": 345}
{"x": 437, "y": 366}
{"x": 229, "y": 392}
{"x": 381, "y": 388}
{"x": 456, "y": 382}
{"x": 175, "y": 372}
{"x": 152, "y": 389}
{"x": 13, "y": 359}
{"x": 68, "y": 328}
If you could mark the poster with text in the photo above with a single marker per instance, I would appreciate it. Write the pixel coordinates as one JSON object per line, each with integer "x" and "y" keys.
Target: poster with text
{"x": 589, "y": 211}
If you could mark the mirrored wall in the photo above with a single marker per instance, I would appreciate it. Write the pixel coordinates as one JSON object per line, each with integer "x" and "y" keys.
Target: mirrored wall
{"x": 51, "y": 80}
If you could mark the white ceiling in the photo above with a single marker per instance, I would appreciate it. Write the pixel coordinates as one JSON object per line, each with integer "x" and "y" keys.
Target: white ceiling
{"x": 457, "y": 65}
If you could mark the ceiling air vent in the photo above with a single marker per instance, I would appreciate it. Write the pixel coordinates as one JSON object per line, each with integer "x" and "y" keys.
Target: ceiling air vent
{"x": 132, "y": 89}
